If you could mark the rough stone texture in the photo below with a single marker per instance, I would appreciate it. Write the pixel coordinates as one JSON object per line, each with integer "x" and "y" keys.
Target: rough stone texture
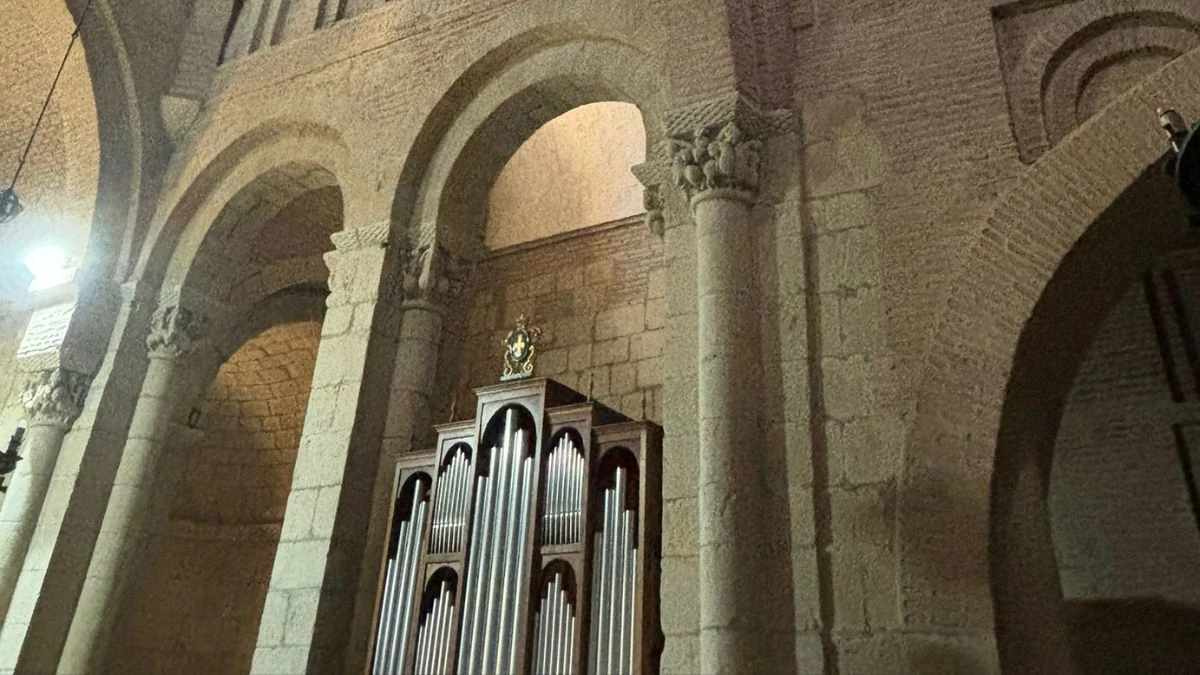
{"x": 903, "y": 257}
{"x": 213, "y": 556}
{"x": 599, "y": 296}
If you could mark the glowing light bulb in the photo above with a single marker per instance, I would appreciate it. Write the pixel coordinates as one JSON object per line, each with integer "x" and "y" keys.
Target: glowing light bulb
{"x": 48, "y": 265}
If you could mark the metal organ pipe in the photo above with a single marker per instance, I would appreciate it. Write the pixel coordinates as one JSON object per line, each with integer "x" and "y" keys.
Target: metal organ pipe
{"x": 399, "y": 579}
{"x": 454, "y": 484}
{"x": 555, "y": 638}
{"x": 433, "y": 641}
{"x": 496, "y": 568}
{"x": 472, "y": 616}
{"x": 563, "y": 495}
{"x": 614, "y": 581}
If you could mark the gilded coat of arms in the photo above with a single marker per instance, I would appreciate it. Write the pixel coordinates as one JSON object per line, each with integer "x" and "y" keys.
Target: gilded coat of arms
{"x": 520, "y": 348}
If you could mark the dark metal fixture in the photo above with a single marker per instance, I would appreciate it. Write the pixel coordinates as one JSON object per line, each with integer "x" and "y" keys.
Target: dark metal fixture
{"x": 1183, "y": 162}
{"x": 10, "y": 204}
{"x": 9, "y": 459}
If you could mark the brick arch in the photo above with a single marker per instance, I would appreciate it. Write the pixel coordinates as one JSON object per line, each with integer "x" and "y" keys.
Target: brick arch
{"x": 496, "y": 106}
{"x": 983, "y": 565}
{"x": 1047, "y": 80}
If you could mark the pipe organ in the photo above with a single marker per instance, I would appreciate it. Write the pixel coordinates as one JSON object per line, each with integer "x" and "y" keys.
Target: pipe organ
{"x": 526, "y": 542}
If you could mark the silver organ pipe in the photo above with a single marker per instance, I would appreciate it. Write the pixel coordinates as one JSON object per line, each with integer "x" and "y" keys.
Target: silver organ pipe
{"x": 395, "y": 615}
{"x": 450, "y": 514}
{"x": 563, "y": 494}
{"x": 555, "y": 637}
{"x": 496, "y": 569}
{"x": 433, "y": 640}
{"x": 614, "y": 583}
{"x": 496, "y": 563}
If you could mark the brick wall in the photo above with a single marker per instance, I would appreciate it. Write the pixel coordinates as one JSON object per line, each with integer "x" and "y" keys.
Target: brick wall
{"x": 204, "y": 580}
{"x": 1122, "y": 520}
{"x": 599, "y": 296}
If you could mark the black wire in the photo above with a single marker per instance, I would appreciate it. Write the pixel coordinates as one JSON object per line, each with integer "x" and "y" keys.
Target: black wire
{"x": 54, "y": 85}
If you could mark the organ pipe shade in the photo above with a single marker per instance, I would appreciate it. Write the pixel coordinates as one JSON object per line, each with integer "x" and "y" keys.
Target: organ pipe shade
{"x": 519, "y": 543}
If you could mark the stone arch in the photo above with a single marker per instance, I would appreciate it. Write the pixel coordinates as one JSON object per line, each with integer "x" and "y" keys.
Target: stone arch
{"x": 980, "y": 566}
{"x": 273, "y": 159}
{"x": 229, "y": 244}
{"x": 495, "y": 106}
{"x": 116, "y": 231}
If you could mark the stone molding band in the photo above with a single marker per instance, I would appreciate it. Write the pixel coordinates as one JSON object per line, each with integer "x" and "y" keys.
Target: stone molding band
{"x": 367, "y": 236}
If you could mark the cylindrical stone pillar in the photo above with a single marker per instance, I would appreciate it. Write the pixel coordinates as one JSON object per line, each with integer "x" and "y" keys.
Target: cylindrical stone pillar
{"x": 53, "y": 400}
{"x": 432, "y": 278}
{"x": 134, "y": 501}
{"x": 739, "y": 627}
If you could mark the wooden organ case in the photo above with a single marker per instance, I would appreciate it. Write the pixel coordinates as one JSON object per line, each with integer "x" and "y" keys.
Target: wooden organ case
{"x": 528, "y": 541}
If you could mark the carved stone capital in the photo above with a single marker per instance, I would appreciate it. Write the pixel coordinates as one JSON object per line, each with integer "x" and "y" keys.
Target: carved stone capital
{"x": 434, "y": 276}
{"x": 651, "y": 176}
{"x": 716, "y": 157}
{"x": 174, "y": 332}
{"x": 54, "y": 397}
{"x": 652, "y": 202}
{"x": 717, "y": 145}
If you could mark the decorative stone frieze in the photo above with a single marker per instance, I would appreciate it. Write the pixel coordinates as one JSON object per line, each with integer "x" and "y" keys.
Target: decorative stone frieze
{"x": 54, "y": 397}
{"x": 434, "y": 275}
{"x": 174, "y": 332}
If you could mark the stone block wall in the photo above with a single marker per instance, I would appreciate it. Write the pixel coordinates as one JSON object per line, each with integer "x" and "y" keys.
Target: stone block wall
{"x": 204, "y": 579}
{"x": 599, "y": 296}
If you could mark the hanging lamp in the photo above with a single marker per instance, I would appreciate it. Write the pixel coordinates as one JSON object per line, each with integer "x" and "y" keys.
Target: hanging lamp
{"x": 10, "y": 204}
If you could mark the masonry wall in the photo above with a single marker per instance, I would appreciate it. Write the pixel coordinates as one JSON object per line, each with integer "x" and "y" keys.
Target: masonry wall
{"x": 204, "y": 580}
{"x": 599, "y": 296}
{"x": 1123, "y": 522}
{"x": 1126, "y": 535}
{"x": 914, "y": 116}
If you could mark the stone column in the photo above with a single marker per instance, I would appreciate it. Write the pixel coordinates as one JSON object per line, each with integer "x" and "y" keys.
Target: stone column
{"x": 53, "y": 399}
{"x": 432, "y": 278}
{"x": 135, "y": 502}
{"x": 743, "y": 626}
{"x": 309, "y": 610}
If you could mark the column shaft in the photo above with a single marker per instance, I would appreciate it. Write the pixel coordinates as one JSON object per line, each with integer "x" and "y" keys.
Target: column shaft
{"x": 23, "y": 503}
{"x": 745, "y": 603}
{"x": 734, "y": 588}
{"x": 126, "y": 526}
{"x": 53, "y": 400}
{"x": 136, "y": 503}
